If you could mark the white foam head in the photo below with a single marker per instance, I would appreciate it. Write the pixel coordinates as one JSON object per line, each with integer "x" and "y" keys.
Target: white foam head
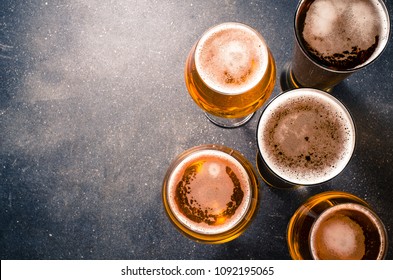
{"x": 231, "y": 58}
{"x": 306, "y": 136}
{"x": 336, "y": 234}
{"x": 344, "y": 26}
{"x": 209, "y": 193}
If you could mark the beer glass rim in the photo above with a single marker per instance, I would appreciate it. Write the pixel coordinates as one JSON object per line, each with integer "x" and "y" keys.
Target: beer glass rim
{"x": 312, "y": 91}
{"x": 378, "y": 52}
{"x": 243, "y": 221}
{"x": 305, "y": 208}
{"x": 368, "y": 212}
{"x": 264, "y": 61}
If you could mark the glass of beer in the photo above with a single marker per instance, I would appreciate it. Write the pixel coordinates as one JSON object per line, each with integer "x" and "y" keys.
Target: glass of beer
{"x": 230, "y": 73}
{"x": 333, "y": 39}
{"x": 211, "y": 193}
{"x": 305, "y": 137}
{"x": 336, "y": 225}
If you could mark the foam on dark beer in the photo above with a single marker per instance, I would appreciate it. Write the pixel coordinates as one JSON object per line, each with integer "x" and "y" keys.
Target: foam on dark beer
{"x": 305, "y": 139}
{"x": 343, "y": 33}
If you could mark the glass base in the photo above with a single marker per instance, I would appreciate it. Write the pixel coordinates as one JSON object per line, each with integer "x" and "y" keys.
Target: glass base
{"x": 228, "y": 122}
{"x": 288, "y": 80}
{"x": 271, "y": 179}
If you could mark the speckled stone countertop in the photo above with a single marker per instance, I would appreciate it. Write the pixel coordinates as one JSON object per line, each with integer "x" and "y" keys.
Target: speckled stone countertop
{"x": 93, "y": 108}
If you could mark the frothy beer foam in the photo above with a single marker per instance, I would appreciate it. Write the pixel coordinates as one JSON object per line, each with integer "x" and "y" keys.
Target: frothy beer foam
{"x": 336, "y": 234}
{"x": 209, "y": 192}
{"x": 231, "y": 58}
{"x": 344, "y": 32}
{"x": 306, "y": 136}
{"x": 341, "y": 238}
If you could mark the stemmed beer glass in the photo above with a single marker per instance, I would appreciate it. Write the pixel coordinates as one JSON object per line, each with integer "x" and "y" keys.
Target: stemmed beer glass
{"x": 230, "y": 73}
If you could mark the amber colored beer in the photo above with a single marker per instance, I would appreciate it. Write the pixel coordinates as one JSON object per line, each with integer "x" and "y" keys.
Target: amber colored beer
{"x": 230, "y": 71}
{"x": 210, "y": 193}
{"x": 336, "y": 225}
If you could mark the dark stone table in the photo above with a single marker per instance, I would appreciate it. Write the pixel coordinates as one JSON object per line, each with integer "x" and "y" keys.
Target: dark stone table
{"x": 93, "y": 108}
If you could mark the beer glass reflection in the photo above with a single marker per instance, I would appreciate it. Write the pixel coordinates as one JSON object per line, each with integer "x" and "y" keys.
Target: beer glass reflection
{"x": 336, "y": 225}
{"x": 230, "y": 73}
{"x": 305, "y": 137}
{"x": 210, "y": 193}
{"x": 333, "y": 39}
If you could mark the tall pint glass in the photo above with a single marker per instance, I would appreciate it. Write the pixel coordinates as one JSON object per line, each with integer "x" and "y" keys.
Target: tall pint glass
{"x": 336, "y": 225}
{"x": 211, "y": 193}
{"x": 305, "y": 137}
{"x": 333, "y": 39}
{"x": 230, "y": 73}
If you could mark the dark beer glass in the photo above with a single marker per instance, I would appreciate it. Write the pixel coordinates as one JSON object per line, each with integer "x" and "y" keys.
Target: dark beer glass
{"x": 305, "y": 137}
{"x": 333, "y": 39}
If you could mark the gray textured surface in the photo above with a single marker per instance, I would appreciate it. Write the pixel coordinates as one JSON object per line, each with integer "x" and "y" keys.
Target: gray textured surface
{"x": 93, "y": 108}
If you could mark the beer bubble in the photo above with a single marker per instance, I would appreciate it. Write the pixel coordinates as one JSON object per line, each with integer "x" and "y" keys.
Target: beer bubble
{"x": 214, "y": 170}
{"x": 231, "y": 58}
